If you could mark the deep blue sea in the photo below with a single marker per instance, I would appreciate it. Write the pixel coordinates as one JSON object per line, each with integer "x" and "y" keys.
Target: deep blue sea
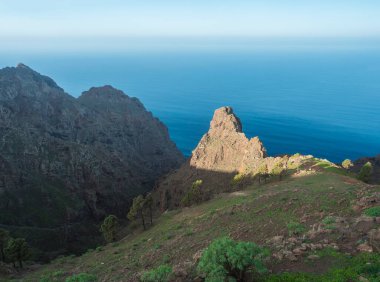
{"x": 320, "y": 102}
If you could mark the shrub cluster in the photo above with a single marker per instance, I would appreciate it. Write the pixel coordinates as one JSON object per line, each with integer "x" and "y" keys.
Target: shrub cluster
{"x": 229, "y": 260}
{"x": 194, "y": 195}
{"x": 159, "y": 274}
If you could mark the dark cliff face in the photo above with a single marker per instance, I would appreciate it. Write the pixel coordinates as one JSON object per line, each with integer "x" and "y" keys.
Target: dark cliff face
{"x": 65, "y": 160}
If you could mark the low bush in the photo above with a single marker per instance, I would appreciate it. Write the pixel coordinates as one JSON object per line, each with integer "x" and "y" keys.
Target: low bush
{"x": 237, "y": 179}
{"x": 365, "y": 172}
{"x": 54, "y": 276}
{"x": 159, "y": 274}
{"x": 81, "y": 277}
{"x": 374, "y": 211}
{"x": 347, "y": 164}
{"x": 328, "y": 220}
{"x": 229, "y": 260}
{"x": 194, "y": 194}
{"x": 295, "y": 228}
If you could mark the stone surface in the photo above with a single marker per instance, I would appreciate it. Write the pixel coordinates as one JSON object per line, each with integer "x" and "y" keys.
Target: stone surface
{"x": 364, "y": 248}
{"x": 223, "y": 153}
{"x": 225, "y": 147}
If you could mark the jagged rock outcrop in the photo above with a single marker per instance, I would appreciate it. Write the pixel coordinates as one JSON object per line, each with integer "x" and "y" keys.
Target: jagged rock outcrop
{"x": 225, "y": 148}
{"x": 65, "y": 160}
{"x": 223, "y": 155}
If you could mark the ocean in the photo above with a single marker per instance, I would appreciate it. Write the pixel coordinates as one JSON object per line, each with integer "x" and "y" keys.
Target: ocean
{"x": 320, "y": 102}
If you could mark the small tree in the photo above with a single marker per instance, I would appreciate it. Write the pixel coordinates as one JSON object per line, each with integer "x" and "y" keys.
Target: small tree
{"x": 138, "y": 210}
{"x": 149, "y": 206}
{"x": 17, "y": 250}
{"x": 365, "y": 172}
{"x": 109, "y": 228}
{"x": 228, "y": 260}
{"x": 4, "y": 238}
{"x": 347, "y": 164}
{"x": 263, "y": 172}
{"x": 194, "y": 194}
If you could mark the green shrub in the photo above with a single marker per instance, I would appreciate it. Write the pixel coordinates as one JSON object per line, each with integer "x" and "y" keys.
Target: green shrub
{"x": 347, "y": 164}
{"x": 295, "y": 228}
{"x": 365, "y": 172}
{"x": 109, "y": 228}
{"x": 81, "y": 277}
{"x": 193, "y": 195}
{"x": 278, "y": 170}
{"x": 374, "y": 211}
{"x": 228, "y": 260}
{"x": 159, "y": 274}
{"x": 54, "y": 276}
{"x": 328, "y": 220}
{"x": 237, "y": 179}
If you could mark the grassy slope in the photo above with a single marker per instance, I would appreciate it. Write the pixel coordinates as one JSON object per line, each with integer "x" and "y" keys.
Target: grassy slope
{"x": 254, "y": 214}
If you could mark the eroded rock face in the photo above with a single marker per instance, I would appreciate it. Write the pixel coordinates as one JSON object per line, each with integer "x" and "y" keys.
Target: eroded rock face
{"x": 222, "y": 153}
{"x": 65, "y": 160}
{"x": 225, "y": 148}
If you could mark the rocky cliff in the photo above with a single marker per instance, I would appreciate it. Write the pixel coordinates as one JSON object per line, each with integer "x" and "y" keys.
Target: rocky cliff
{"x": 223, "y": 158}
{"x": 225, "y": 148}
{"x": 65, "y": 160}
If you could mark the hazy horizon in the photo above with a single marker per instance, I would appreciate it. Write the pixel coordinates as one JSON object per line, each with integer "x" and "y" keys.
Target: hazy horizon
{"x": 117, "y": 25}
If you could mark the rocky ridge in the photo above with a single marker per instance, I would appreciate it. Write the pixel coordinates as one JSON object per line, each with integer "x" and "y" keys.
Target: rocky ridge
{"x": 225, "y": 148}
{"x": 223, "y": 158}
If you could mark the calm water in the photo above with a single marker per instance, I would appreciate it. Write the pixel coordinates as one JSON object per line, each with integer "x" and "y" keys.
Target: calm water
{"x": 325, "y": 103}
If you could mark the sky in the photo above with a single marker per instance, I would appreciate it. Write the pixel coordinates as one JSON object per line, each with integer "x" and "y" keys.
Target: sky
{"x": 28, "y": 24}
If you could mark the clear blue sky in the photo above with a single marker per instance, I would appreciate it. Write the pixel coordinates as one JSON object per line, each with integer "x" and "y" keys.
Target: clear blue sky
{"x": 73, "y": 22}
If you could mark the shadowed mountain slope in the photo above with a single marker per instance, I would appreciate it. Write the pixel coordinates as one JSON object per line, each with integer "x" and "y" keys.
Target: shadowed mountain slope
{"x": 65, "y": 161}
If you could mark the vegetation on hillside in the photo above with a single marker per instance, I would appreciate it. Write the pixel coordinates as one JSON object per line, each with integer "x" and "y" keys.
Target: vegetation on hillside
{"x": 109, "y": 228}
{"x": 347, "y": 164}
{"x": 365, "y": 172}
{"x": 182, "y": 242}
{"x": 140, "y": 207}
{"x": 193, "y": 195}
{"x": 227, "y": 260}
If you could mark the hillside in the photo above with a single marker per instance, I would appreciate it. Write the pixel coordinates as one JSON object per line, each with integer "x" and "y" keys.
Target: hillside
{"x": 316, "y": 220}
{"x": 66, "y": 163}
{"x": 325, "y": 207}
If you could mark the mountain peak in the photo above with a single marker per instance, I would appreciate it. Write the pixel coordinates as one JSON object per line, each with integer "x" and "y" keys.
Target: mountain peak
{"x": 225, "y": 147}
{"x": 23, "y": 80}
{"x": 22, "y": 66}
{"x": 224, "y": 119}
{"x": 106, "y": 91}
